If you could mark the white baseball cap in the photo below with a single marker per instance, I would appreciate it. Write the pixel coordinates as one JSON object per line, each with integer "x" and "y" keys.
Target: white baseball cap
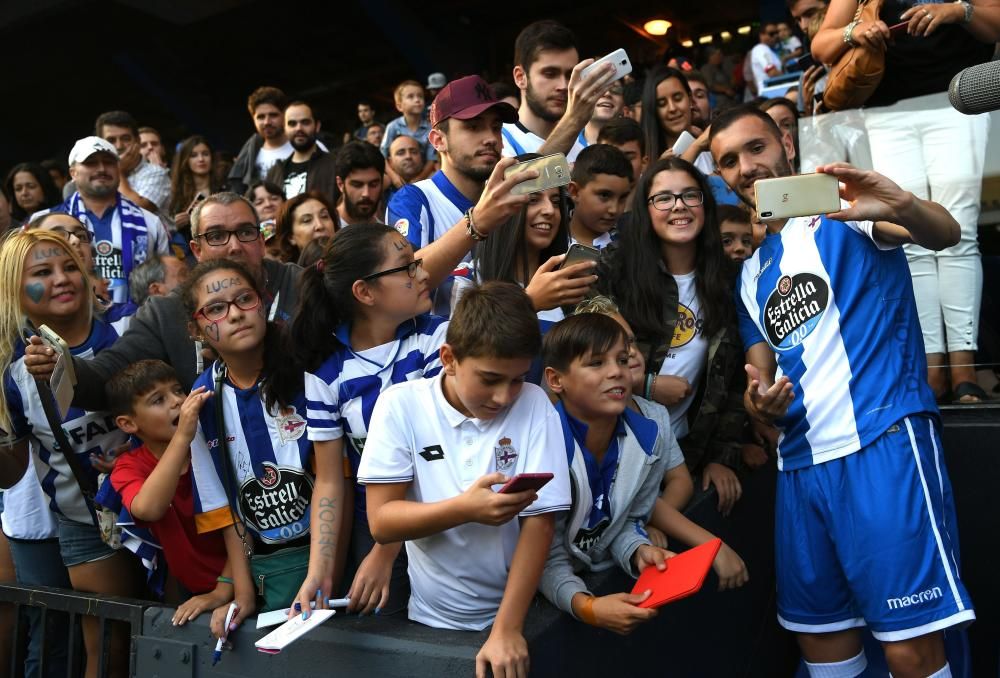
{"x": 87, "y": 146}
{"x": 436, "y": 81}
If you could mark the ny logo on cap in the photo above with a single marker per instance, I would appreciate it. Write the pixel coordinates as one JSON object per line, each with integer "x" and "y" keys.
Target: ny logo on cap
{"x": 483, "y": 91}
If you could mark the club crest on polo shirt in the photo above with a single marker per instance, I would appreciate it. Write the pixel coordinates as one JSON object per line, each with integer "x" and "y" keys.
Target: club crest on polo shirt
{"x": 291, "y": 426}
{"x": 794, "y": 308}
{"x": 505, "y": 455}
{"x": 276, "y": 505}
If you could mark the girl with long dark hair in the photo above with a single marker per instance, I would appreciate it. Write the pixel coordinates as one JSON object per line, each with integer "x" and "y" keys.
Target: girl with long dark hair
{"x": 190, "y": 177}
{"x": 674, "y": 285}
{"x": 29, "y": 188}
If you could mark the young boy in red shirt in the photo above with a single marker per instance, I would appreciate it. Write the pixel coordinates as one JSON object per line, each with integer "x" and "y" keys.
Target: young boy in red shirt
{"x": 154, "y": 480}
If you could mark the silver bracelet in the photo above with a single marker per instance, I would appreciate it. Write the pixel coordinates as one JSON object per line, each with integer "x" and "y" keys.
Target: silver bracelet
{"x": 848, "y": 30}
{"x": 968, "y": 9}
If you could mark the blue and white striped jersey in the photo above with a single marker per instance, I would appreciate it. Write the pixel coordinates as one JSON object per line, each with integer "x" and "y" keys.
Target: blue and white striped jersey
{"x": 422, "y": 213}
{"x": 268, "y": 457}
{"x": 838, "y": 311}
{"x": 341, "y": 393}
{"x": 88, "y": 432}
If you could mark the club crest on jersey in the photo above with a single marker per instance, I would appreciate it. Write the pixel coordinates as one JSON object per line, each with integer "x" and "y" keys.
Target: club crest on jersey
{"x": 505, "y": 455}
{"x": 403, "y": 226}
{"x": 794, "y": 309}
{"x": 103, "y": 247}
{"x": 291, "y": 426}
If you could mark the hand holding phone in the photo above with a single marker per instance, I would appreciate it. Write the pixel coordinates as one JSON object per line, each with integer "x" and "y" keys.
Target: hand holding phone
{"x": 618, "y": 58}
{"x": 803, "y": 195}
{"x": 553, "y": 171}
{"x": 525, "y": 481}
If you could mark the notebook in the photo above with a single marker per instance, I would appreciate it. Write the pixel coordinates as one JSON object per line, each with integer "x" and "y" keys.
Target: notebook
{"x": 683, "y": 577}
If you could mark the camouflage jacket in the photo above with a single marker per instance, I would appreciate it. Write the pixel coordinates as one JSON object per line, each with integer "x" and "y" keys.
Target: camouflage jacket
{"x": 716, "y": 417}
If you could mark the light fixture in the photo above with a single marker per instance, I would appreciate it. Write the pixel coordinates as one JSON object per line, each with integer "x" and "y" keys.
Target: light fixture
{"x": 705, "y": 39}
{"x": 743, "y": 30}
{"x": 688, "y": 43}
{"x": 726, "y": 36}
{"x": 657, "y": 26}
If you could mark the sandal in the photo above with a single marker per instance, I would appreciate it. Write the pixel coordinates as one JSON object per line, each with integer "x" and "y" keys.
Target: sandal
{"x": 968, "y": 393}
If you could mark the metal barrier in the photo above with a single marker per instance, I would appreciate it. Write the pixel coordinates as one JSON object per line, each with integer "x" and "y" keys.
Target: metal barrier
{"x": 75, "y": 604}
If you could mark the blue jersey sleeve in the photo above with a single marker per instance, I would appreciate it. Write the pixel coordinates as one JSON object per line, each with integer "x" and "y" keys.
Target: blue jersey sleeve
{"x": 748, "y": 328}
{"x": 406, "y": 208}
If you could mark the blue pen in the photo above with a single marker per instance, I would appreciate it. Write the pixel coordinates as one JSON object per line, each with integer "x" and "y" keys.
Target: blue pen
{"x": 217, "y": 655}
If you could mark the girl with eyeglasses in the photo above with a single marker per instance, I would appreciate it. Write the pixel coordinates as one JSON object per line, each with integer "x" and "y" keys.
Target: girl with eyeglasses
{"x": 44, "y": 282}
{"x": 361, "y": 326}
{"x": 255, "y": 474}
{"x": 674, "y": 285}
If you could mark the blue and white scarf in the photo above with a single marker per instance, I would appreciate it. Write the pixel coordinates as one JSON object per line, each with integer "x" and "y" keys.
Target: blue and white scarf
{"x": 119, "y": 251}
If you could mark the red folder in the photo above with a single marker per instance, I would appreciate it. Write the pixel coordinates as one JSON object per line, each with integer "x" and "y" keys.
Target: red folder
{"x": 683, "y": 577}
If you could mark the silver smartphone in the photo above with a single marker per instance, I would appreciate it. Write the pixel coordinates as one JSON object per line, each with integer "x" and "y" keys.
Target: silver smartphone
{"x": 553, "y": 171}
{"x": 804, "y": 195}
{"x": 620, "y": 60}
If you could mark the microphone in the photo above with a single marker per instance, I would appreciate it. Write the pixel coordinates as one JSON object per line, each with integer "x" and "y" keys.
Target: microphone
{"x": 976, "y": 89}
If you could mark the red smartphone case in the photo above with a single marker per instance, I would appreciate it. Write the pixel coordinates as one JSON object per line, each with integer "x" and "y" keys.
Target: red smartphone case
{"x": 526, "y": 481}
{"x": 683, "y": 577}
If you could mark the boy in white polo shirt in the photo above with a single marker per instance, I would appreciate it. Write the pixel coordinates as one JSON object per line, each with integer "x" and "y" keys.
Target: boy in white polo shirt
{"x": 438, "y": 448}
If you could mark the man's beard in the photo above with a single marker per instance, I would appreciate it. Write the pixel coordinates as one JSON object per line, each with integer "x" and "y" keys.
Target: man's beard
{"x": 301, "y": 144}
{"x": 100, "y": 192}
{"x": 477, "y": 174}
{"x": 358, "y": 211}
{"x": 782, "y": 169}
{"x": 537, "y": 106}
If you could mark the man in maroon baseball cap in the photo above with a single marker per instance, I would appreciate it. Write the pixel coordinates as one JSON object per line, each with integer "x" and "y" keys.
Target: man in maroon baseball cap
{"x": 466, "y": 118}
{"x": 466, "y": 98}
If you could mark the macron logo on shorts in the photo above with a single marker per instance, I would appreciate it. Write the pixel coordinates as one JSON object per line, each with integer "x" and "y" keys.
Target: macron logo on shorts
{"x": 914, "y": 598}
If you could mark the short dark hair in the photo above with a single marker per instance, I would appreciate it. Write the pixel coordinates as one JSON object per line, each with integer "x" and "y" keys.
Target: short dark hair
{"x": 735, "y": 213}
{"x": 366, "y": 102}
{"x": 578, "y": 335}
{"x": 730, "y": 116}
{"x": 134, "y": 382}
{"x": 150, "y": 130}
{"x": 780, "y": 101}
{"x": 503, "y": 89}
{"x": 301, "y": 102}
{"x": 696, "y": 76}
{"x": 494, "y": 320}
{"x": 620, "y": 131}
{"x": 51, "y": 164}
{"x": 601, "y": 159}
{"x": 539, "y": 36}
{"x": 116, "y": 119}
{"x": 355, "y": 155}
{"x": 267, "y": 95}
{"x": 268, "y": 186}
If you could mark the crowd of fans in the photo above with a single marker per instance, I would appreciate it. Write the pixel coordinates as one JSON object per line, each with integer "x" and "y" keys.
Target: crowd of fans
{"x": 322, "y": 349}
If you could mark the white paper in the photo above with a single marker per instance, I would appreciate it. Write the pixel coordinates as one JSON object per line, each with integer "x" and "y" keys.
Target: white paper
{"x": 292, "y": 630}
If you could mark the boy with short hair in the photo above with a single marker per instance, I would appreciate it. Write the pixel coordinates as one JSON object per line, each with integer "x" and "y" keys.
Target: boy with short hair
{"x": 626, "y": 135}
{"x": 437, "y": 448}
{"x": 409, "y": 98}
{"x": 602, "y": 181}
{"x": 617, "y": 461}
{"x": 736, "y": 231}
{"x": 154, "y": 480}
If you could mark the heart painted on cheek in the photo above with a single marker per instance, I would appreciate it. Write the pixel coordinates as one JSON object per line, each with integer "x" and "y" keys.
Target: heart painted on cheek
{"x": 212, "y": 331}
{"x": 35, "y": 291}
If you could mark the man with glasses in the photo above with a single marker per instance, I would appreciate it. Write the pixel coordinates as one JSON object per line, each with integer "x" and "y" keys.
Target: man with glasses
{"x": 764, "y": 61}
{"x": 224, "y": 226}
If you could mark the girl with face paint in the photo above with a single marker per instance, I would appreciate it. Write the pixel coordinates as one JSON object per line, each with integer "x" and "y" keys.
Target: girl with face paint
{"x": 44, "y": 282}
{"x": 266, "y": 490}
{"x": 362, "y": 326}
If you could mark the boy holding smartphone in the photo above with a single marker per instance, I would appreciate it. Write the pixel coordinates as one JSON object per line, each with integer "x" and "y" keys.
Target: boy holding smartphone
{"x": 437, "y": 450}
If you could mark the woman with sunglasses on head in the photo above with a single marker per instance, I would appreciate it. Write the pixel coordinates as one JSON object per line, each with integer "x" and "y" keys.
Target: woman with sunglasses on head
{"x": 44, "y": 282}
{"x": 361, "y": 326}
{"x": 258, "y": 480}
{"x": 674, "y": 286}
{"x": 118, "y": 315}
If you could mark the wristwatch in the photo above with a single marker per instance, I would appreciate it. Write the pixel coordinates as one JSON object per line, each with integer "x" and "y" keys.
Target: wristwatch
{"x": 967, "y": 7}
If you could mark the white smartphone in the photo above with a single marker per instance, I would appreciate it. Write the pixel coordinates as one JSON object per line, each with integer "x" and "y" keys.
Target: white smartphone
{"x": 553, "y": 171}
{"x": 804, "y": 195}
{"x": 620, "y": 60}
{"x": 684, "y": 141}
